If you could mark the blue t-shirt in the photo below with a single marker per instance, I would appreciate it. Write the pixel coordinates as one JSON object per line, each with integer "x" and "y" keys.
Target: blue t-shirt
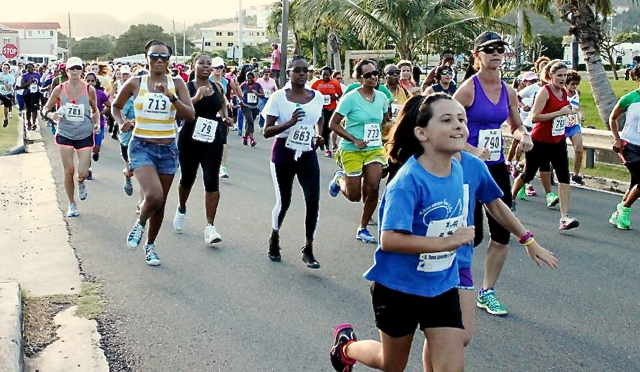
{"x": 421, "y": 204}
{"x": 361, "y": 114}
{"x": 478, "y": 185}
{"x": 7, "y": 82}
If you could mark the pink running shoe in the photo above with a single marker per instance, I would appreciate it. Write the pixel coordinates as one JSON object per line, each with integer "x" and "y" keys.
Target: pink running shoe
{"x": 529, "y": 190}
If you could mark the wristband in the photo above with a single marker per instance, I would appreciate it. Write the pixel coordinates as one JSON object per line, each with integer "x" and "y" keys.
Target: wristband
{"x": 173, "y": 99}
{"x": 525, "y": 238}
{"x": 529, "y": 242}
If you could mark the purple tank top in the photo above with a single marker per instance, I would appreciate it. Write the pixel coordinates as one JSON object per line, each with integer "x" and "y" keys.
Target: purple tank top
{"x": 483, "y": 114}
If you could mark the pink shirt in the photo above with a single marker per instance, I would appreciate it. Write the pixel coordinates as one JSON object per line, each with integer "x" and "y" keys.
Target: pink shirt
{"x": 268, "y": 85}
{"x": 275, "y": 60}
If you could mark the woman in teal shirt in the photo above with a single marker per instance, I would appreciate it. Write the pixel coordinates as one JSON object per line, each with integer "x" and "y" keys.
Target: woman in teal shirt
{"x": 361, "y": 156}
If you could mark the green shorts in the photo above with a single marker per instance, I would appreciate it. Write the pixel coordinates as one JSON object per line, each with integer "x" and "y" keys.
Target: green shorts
{"x": 352, "y": 162}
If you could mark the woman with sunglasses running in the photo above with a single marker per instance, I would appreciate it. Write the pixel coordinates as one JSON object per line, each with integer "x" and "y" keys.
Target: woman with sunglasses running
{"x": 78, "y": 120}
{"x": 489, "y": 102}
{"x": 361, "y": 156}
{"x": 153, "y": 152}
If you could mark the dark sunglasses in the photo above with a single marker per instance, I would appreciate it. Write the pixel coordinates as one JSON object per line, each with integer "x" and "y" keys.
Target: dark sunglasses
{"x": 162, "y": 56}
{"x": 491, "y": 49}
{"x": 368, "y": 75}
{"x": 446, "y": 72}
{"x": 75, "y": 68}
{"x": 393, "y": 72}
{"x": 218, "y": 67}
{"x": 298, "y": 70}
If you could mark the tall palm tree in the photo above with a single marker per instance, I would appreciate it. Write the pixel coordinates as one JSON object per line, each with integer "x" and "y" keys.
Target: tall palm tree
{"x": 585, "y": 18}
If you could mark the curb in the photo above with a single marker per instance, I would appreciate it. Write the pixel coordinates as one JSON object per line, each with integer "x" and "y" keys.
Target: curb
{"x": 11, "y": 356}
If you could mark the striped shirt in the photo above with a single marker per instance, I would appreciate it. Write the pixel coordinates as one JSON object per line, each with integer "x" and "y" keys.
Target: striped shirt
{"x": 155, "y": 114}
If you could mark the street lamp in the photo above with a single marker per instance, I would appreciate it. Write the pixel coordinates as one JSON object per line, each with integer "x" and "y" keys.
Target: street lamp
{"x": 283, "y": 42}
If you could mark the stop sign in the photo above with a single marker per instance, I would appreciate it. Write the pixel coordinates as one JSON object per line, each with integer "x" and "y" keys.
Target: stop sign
{"x": 10, "y": 51}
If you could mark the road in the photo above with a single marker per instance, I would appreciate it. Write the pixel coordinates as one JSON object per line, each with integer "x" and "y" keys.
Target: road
{"x": 231, "y": 309}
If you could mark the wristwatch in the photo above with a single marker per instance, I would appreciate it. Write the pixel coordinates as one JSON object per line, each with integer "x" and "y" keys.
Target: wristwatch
{"x": 173, "y": 98}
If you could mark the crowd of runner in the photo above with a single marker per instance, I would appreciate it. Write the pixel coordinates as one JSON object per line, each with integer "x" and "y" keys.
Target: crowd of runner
{"x": 438, "y": 142}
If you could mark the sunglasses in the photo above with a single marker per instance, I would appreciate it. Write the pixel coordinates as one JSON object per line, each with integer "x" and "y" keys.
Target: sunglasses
{"x": 394, "y": 72}
{"x": 298, "y": 70}
{"x": 368, "y": 75}
{"x": 491, "y": 49}
{"x": 159, "y": 56}
{"x": 218, "y": 67}
{"x": 75, "y": 68}
{"x": 446, "y": 72}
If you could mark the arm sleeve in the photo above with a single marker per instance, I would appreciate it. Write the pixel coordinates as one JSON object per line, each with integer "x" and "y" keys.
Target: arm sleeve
{"x": 272, "y": 107}
{"x": 344, "y": 106}
{"x": 398, "y": 210}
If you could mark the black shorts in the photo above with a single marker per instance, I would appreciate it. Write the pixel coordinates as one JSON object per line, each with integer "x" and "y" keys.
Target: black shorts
{"x": 124, "y": 152}
{"x": 6, "y": 100}
{"x": 87, "y": 142}
{"x": 32, "y": 102}
{"x": 629, "y": 153}
{"x": 398, "y": 314}
{"x": 497, "y": 232}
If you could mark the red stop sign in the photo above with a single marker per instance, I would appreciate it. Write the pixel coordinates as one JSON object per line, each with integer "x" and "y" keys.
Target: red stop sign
{"x": 10, "y": 51}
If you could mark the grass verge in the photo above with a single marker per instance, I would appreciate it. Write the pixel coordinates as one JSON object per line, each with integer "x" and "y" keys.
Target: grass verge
{"x": 603, "y": 170}
{"x": 588, "y": 105}
{"x": 9, "y": 135}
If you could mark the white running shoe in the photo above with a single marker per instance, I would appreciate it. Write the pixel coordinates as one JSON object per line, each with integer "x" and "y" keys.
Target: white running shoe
{"x": 82, "y": 190}
{"x": 179, "y": 220}
{"x": 150, "y": 255}
{"x": 73, "y": 210}
{"x": 211, "y": 236}
{"x": 135, "y": 235}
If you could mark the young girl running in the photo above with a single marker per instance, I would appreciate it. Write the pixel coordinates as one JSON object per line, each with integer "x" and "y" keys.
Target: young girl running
{"x": 422, "y": 223}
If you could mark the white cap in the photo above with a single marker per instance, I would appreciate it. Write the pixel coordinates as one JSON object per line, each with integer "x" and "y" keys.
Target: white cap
{"x": 74, "y": 61}
{"x": 217, "y": 61}
{"x": 124, "y": 69}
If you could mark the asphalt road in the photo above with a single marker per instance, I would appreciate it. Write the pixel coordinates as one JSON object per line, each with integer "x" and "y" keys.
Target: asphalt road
{"x": 229, "y": 308}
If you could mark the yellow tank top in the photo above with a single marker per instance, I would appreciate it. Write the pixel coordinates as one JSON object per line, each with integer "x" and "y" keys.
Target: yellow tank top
{"x": 155, "y": 114}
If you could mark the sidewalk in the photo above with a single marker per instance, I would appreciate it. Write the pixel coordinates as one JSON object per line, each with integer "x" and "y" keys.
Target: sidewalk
{"x": 35, "y": 257}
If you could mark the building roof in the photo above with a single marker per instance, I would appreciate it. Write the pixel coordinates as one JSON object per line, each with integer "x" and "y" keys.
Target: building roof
{"x": 7, "y": 30}
{"x": 232, "y": 26}
{"x": 32, "y": 25}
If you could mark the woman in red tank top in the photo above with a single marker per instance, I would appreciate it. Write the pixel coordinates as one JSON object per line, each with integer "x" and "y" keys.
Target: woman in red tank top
{"x": 550, "y": 114}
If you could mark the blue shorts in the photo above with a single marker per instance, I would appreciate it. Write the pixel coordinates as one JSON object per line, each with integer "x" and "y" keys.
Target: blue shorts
{"x": 99, "y": 137}
{"x": 163, "y": 157}
{"x": 572, "y": 131}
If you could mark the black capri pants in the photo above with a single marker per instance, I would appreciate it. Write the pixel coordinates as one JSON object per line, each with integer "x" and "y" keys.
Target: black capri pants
{"x": 544, "y": 153}
{"x": 497, "y": 232}
{"x": 193, "y": 154}
{"x": 326, "y": 132}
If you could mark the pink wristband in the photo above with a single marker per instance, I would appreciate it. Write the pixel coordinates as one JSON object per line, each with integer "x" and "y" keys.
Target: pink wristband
{"x": 523, "y": 239}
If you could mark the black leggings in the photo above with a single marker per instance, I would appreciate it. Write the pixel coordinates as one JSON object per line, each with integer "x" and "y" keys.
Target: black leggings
{"x": 545, "y": 153}
{"x": 283, "y": 169}
{"x": 497, "y": 232}
{"x": 326, "y": 132}
{"x": 192, "y": 154}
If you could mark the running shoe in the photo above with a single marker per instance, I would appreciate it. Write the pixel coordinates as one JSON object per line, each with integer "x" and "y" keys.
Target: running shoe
{"x": 82, "y": 190}
{"x": 308, "y": 258}
{"x": 5, "y": 123}
{"x": 253, "y": 144}
{"x": 568, "y": 223}
{"x": 223, "y": 172}
{"x": 274, "y": 248}
{"x": 552, "y": 199}
{"x": 365, "y": 236}
{"x": 179, "y": 219}
{"x": 135, "y": 235}
{"x": 334, "y": 186}
{"x": 211, "y": 236}
{"x": 577, "y": 179}
{"x": 150, "y": 255}
{"x": 529, "y": 190}
{"x": 621, "y": 218}
{"x": 343, "y": 335}
{"x": 244, "y": 141}
{"x": 515, "y": 169}
{"x": 371, "y": 222}
{"x": 10, "y": 114}
{"x": 487, "y": 300}
{"x": 328, "y": 153}
{"x": 128, "y": 187}
{"x": 72, "y": 211}
{"x": 95, "y": 156}
{"x": 522, "y": 193}
{"x": 90, "y": 175}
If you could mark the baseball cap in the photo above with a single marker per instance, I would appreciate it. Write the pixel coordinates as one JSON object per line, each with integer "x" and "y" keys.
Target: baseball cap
{"x": 124, "y": 69}
{"x": 74, "y": 61}
{"x": 529, "y": 75}
{"x": 488, "y": 38}
{"x": 217, "y": 61}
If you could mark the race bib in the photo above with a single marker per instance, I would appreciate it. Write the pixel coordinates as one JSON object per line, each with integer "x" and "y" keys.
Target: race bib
{"x": 491, "y": 139}
{"x": 33, "y": 88}
{"x": 440, "y": 261}
{"x": 395, "y": 109}
{"x": 205, "y": 130}
{"x": 327, "y": 99}
{"x": 558, "y": 125}
{"x": 267, "y": 93}
{"x": 73, "y": 112}
{"x": 372, "y": 135}
{"x": 300, "y": 137}
{"x": 156, "y": 106}
{"x": 252, "y": 98}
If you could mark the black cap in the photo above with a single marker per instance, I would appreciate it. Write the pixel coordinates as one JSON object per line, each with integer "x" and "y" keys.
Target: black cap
{"x": 487, "y": 38}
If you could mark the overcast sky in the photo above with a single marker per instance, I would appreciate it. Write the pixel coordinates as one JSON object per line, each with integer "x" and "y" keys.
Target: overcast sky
{"x": 127, "y": 9}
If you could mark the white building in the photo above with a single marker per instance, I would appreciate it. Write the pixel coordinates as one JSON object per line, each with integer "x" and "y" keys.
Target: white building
{"x": 626, "y": 51}
{"x": 36, "y": 38}
{"x": 225, "y": 36}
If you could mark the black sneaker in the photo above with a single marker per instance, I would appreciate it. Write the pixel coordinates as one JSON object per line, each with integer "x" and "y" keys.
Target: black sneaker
{"x": 308, "y": 259}
{"x": 342, "y": 335}
{"x": 274, "y": 248}
{"x": 577, "y": 179}
{"x": 96, "y": 156}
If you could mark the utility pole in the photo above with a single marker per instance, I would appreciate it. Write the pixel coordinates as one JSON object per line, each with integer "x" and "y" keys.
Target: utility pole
{"x": 283, "y": 42}
{"x": 184, "y": 38}
{"x": 69, "y": 43}
{"x": 175, "y": 41}
{"x": 240, "y": 31}
{"x": 575, "y": 57}
{"x": 519, "y": 39}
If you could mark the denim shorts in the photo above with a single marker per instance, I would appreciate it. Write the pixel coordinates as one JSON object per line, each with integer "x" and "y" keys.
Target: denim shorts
{"x": 163, "y": 157}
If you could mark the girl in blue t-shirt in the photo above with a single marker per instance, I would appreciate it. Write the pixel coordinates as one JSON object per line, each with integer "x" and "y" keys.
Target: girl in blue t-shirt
{"x": 422, "y": 224}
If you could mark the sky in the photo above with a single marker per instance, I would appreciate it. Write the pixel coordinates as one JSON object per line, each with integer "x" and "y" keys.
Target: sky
{"x": 40, "y": 9}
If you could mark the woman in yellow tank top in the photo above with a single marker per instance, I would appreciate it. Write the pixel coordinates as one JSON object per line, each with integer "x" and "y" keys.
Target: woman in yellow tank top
{"x": 153, "y": 152}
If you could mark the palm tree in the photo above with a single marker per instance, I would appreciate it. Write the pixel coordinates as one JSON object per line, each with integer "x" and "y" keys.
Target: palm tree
{"x": 585, "y": 18}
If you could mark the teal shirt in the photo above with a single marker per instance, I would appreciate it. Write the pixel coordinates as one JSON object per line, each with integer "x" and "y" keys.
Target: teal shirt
{"x": 358, "y": 112}
{"x": 380, "y": 87}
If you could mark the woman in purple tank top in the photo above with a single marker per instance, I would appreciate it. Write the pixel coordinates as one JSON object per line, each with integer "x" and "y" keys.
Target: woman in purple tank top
{"x": 490, "y": 102}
